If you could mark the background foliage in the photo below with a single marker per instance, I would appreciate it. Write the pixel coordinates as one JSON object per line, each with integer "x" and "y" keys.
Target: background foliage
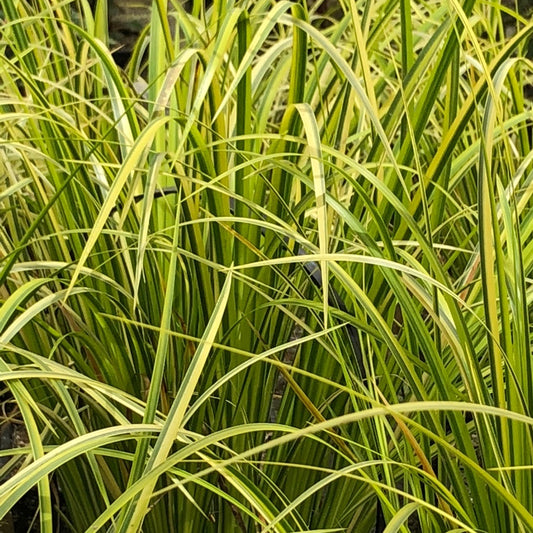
{"x": 273, "y": 276}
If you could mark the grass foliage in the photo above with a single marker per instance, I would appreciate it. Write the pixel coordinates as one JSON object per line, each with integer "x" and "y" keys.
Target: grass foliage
{"x": 287, "y": 287}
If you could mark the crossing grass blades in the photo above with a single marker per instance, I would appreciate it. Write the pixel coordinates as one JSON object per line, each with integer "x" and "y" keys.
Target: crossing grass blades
{"x": 326, "y": 325}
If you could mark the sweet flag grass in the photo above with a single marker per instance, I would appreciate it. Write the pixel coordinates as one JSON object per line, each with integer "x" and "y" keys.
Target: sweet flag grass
{"x": 274, "y": 274}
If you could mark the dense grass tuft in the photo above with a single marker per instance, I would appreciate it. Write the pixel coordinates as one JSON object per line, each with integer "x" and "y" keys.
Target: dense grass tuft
{"x": 283, "y": 286}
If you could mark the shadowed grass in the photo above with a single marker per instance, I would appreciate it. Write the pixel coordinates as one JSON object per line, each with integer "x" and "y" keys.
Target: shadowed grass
{"x": 287, "y": 287}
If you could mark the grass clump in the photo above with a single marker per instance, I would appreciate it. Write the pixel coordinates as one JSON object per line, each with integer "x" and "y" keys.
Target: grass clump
{"x": 285, "y": 288}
